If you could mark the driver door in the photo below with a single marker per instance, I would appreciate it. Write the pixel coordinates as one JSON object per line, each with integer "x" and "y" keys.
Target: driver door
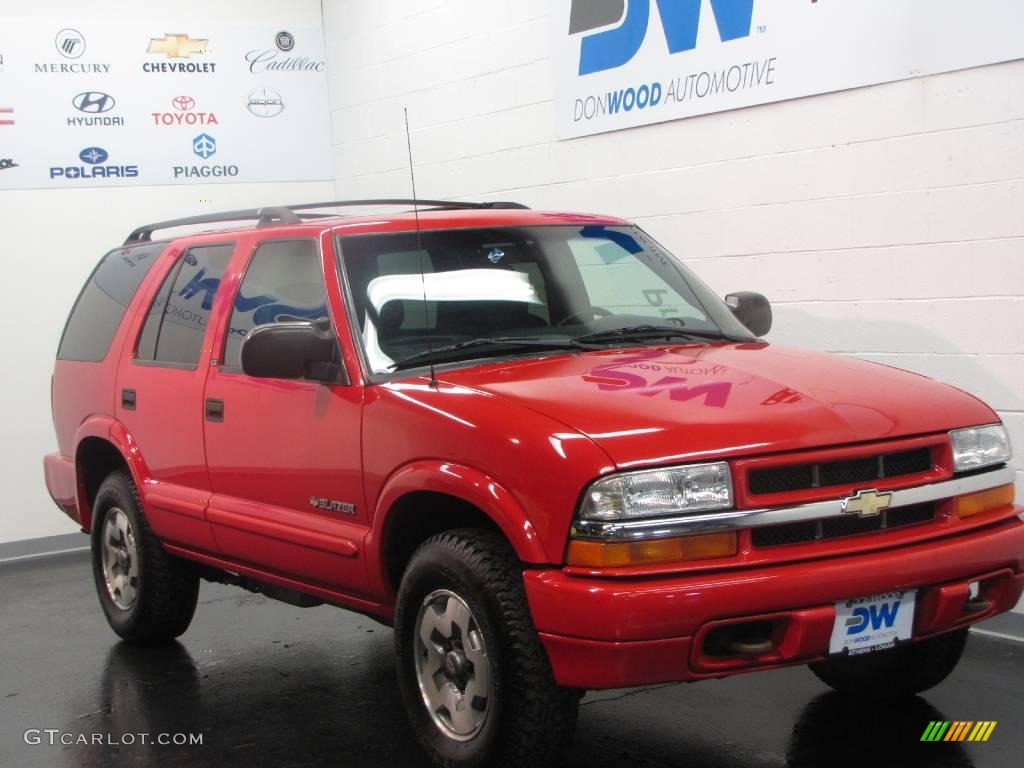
{"x": 284, "y": 455}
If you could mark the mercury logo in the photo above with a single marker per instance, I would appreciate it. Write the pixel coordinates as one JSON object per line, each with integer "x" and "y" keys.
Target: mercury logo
{"x": 70, "y": 43}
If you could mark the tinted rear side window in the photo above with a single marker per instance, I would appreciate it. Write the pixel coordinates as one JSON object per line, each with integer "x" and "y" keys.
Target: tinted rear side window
{"x": 176, "y": 324}
{"x": 102, "y": 302}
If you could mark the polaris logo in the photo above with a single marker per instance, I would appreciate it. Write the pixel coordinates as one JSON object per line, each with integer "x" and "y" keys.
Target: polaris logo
{"x": 615, "y": 47}
{"x": 94, "y": 159}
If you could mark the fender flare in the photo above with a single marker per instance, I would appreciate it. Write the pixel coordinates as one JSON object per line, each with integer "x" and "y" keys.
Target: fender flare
{"x": 467, "y": 484}
{"x": 114, "y": 432}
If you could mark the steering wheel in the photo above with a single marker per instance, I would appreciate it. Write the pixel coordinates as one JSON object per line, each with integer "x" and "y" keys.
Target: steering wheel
{"x": 594, "y": 311}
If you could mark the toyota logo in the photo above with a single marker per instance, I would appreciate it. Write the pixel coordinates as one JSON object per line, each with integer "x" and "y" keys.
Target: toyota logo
{"x": 93, "y": 155}
{"x": 70, "y": 43}
{"x": 183, "y": 103}
{"x": 93, "y": 102}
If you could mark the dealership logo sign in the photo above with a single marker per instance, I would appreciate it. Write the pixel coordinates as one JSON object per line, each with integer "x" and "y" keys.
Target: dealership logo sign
{"x": 284, "y": 41}
{"x": 70, "y": 43}
{"x": 6, "y": 163}
{"x": 616, "y": 47}
{"x": 185, "y": 114}
{"x": 265, "y": 102}
{"x": 95, "y": 167}
{"x": 95, "y": 104}
{"x": 178, "y": 46}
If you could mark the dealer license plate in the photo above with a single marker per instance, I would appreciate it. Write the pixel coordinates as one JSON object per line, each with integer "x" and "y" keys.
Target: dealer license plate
{"x": 865, "y": 624}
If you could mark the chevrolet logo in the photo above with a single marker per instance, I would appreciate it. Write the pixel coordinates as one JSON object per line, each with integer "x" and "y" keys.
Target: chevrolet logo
{"x": 176, "y": 46}
{"x": 866, "y": 503}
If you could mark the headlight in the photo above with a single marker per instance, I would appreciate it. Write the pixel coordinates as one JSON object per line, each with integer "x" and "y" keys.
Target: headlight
{"x": 979, "y": 447}
{"x": 658, "y": 492}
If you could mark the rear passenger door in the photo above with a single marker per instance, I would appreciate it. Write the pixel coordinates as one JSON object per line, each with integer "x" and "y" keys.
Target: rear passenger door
{"x": 284, "y": 455}
{"x": 159, "y": 393}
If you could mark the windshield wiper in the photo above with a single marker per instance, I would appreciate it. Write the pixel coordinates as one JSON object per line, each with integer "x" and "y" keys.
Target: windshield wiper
{"x": 465, "y": 350}
{"x": 652, "y": 332}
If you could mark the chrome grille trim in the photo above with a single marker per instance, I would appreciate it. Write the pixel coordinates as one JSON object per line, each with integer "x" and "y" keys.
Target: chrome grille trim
{"x": 659, "y": 528}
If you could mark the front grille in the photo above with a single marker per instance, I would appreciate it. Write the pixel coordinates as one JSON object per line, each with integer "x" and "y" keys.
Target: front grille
{"x": 865, "y": 469}
{"x": 836, "y": 527}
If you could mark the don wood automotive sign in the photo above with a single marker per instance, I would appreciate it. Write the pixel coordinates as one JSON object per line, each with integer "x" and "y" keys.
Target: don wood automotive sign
{"x": 624, "y": 63}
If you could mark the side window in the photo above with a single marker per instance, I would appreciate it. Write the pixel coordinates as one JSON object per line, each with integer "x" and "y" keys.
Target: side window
{"x": 174, "y": 329}
{"x": 283, "y": 281}
{"x": 101, "y": 304}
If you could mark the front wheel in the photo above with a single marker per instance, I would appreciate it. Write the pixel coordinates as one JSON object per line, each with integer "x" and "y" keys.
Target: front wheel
{"x": 902, "y": 671}
{"x": 475, "y": 679}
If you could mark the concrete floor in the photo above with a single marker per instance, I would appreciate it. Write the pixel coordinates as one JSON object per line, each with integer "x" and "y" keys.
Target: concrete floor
{"x": 271, "y": 685}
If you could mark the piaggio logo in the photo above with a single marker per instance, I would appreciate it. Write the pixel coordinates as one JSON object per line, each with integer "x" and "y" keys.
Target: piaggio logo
{"x": 615, "y": 47}
{"x": 959, "y": 730}
{"x": 204, "y": 145}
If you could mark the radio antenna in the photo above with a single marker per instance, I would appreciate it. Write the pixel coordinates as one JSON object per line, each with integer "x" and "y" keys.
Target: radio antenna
{"x": 419, "y": 245}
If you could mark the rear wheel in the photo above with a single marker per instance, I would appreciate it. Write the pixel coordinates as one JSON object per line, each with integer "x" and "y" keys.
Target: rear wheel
{"x": 475, "y": 679}
{"x": 901, "y": 671}
{"x": 148, "y": 595}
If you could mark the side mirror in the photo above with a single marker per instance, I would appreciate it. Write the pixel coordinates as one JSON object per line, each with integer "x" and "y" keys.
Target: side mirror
{"x": 297, "y": 349}
{"x": 751, "y": 309}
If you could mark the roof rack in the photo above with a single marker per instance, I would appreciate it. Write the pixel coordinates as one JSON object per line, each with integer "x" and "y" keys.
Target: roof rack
{"x": 287, "y": 214}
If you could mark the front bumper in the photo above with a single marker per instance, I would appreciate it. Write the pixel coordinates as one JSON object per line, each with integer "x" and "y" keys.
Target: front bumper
{"x": 614, "y": 633}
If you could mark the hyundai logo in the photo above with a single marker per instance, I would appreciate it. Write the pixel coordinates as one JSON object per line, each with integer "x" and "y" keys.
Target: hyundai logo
{"x": 70, "y": 43}
{"x": 265, "y": 102}
{"x": 93, "y": 155}
{"x": 93, "y": 102}
{"x": 204, "y": 145}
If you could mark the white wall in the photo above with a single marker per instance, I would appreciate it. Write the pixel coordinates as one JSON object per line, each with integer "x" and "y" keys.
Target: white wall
{"x": 53, "y": 238}
{"x": 884, "y": 222}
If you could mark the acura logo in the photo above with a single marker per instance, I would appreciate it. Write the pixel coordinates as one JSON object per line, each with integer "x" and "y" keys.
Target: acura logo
{"x": 93, "y": 102}
{"x": 93, "y": 155}
{"x": 70, "y": 43}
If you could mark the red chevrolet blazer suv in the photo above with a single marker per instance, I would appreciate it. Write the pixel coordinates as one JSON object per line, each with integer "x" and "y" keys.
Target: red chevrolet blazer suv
{"x": 533, "y": 443}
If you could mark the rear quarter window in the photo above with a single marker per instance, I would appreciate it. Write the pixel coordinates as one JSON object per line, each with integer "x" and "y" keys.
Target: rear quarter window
{"x": 102, "y": 303}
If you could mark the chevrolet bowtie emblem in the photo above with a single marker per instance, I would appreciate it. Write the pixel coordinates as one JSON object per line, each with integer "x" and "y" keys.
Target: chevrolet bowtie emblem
{"x": 866, "y": 503}
{"x": 176, "y": 46}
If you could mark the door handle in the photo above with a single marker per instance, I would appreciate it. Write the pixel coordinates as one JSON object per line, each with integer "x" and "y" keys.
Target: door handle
{"x": 214, "y": 409}
{"x": 128, "y": 399}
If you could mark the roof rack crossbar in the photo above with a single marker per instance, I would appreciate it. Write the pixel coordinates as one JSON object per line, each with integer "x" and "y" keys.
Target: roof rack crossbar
{"x": 289, "y": 214}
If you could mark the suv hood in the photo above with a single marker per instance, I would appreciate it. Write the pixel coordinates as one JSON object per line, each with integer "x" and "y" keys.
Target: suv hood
{"x": 664, "y": 404}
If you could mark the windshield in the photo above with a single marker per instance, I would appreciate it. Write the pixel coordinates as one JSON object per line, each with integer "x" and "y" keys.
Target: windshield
{"x": 502, "y": 291}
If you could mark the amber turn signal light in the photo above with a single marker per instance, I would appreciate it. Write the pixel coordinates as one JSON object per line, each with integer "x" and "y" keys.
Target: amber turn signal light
{"x": 600, "y": 554}
{"x": 984, "y": 501}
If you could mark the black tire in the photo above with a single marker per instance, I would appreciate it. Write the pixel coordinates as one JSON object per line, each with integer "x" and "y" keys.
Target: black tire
{"x": 903, "y": 671}
{"x": 166, "y": 587}
{"x": 530, "y": 720}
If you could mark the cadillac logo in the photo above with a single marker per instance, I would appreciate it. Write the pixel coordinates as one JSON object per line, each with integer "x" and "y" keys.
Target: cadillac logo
{"x": 866, "y": 503}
